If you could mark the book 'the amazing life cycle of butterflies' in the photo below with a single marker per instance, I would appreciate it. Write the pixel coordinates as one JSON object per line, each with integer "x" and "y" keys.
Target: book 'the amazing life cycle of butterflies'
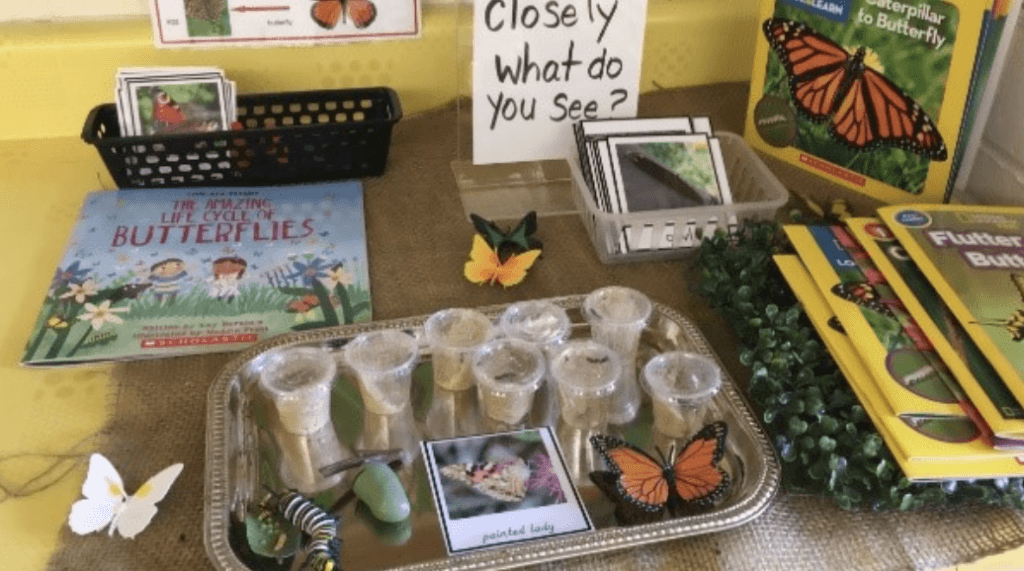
{"x": 862, "y": 92}
{"x": 185, "y": 271}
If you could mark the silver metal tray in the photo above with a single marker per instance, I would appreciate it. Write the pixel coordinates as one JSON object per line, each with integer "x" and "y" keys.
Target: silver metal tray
{"x": 237, "y": 446}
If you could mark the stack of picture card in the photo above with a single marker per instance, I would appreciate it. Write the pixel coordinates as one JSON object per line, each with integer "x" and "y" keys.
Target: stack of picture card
{"x": 643, "y": 165}
{"x": 155, "y": 101}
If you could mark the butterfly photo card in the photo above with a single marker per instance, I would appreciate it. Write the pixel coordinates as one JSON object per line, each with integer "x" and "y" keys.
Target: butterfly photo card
{"x": 501, "y": 489}
{"x": 656, "y": 164}
{"x": 155, "y": 101}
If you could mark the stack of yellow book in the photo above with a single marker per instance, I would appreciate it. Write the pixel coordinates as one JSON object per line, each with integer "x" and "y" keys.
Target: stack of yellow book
{"x": 923, "y": 310}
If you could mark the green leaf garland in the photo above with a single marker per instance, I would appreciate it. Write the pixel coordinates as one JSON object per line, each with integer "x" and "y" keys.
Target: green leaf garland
{"x": 822, "y": 434}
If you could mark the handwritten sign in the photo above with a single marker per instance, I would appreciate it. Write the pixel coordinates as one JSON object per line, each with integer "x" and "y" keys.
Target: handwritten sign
{"x": 541, "y": 65}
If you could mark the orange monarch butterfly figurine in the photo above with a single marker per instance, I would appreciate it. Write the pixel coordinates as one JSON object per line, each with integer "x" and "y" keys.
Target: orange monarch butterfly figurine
{"x": 644, "y": 487}
{"x": 864, "y": 108}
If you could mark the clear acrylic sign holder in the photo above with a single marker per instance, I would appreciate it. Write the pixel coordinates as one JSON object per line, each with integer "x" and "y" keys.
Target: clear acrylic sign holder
{"x": 503, "y": 192}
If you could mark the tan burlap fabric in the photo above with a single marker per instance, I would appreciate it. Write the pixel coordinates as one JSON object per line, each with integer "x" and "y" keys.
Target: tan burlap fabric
{"x": 418, "y": 241}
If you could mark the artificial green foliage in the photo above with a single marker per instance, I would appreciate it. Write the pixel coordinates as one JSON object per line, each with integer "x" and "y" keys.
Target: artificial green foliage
{"x": 823, "y": 436}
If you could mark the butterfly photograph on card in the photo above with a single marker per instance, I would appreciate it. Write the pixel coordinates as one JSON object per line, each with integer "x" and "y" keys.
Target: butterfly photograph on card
{"x": 107, "y": 504}
{"x": 681, "y": 482}
{"x": 185, "y": 108}
{"x": 497, "y": 474}
{"x": 865, "y": 98}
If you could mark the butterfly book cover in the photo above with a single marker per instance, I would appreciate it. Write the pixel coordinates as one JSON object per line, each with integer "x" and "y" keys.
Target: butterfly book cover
{"x": 865, "y": 93}
{"x": 972, "y": 255}
{"x": 926, "y": 447}
{"x": 908, "y": 374}
{"x": 182, "y": 271}
{"x": 982, "y": 384}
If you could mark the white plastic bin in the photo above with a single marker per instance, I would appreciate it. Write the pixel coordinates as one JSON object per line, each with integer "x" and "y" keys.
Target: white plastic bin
{"x": 756, "y": 193}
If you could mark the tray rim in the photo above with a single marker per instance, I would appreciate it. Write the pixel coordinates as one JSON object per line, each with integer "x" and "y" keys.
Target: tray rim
{"x": 217, "y": 506}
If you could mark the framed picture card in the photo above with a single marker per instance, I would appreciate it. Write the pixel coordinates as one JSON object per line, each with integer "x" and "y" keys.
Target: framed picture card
{"x": 500, "y": 489}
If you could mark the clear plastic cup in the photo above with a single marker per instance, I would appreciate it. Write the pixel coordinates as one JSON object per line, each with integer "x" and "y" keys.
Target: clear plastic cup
{"x": 454, "y": 335}
{"x": 384, "y": 361}
{"x": 298, "y": 383}
{"x": 548, "y": 326}
{"x": 682, "y": 386}
{"x": 536, "y": 321}
{"x": 586, "y": 374}
{"x": 508, "y": 373}
{"x": 617, "y": 316}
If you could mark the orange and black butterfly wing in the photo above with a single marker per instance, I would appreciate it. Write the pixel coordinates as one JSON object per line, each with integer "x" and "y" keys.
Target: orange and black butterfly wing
{"x": 697, "y": 479}
{"x": 815, "y": 65}
{"x": 626, "y": 513}
{"x": 864, "y": 295}
{"x": 327, "y": 13}
{"x": 875, "y": 112}
{"x": 362, "y": 13}
{"x": 639, "y": 479}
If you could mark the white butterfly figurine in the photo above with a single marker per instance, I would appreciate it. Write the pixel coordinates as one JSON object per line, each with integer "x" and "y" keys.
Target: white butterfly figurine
{"x": 107, "y": 503}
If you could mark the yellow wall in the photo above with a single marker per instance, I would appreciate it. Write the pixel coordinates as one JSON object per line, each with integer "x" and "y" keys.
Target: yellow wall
{"x": 54, "y": 73}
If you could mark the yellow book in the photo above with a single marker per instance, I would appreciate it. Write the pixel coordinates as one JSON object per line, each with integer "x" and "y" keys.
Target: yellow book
{"x": 868, "y": 94}
{"x": 982, "y": 385}
{"x": 944, "y": 460}
{"x": 908, "y": 380}
{"x": 974, "y": 257}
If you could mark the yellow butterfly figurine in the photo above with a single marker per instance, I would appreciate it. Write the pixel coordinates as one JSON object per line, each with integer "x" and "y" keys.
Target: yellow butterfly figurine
{"x": 484, "y": 266}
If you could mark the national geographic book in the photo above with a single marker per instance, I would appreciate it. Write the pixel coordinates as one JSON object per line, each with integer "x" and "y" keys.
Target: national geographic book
{"x": 983, "y": 386}
{"x": 974, "y": 257}
{"x": 927, "y": 448}
{"x": 203, "y": 270}
{"x": 869, "y": 94}
{"x": 907, "y": 373}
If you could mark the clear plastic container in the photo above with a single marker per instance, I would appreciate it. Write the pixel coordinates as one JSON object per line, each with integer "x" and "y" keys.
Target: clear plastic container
{"x": 756, "y": 194}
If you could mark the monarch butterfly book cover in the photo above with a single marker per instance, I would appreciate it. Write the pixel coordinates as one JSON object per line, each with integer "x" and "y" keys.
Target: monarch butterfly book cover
{"x": 865, "y": 93}
{"x": 982, "y": 385}
{"x": 183, "y": 271}
{"x": 910, "y": 377}
{"x": 927, "y": 448}
{"x": 974, "y": 257}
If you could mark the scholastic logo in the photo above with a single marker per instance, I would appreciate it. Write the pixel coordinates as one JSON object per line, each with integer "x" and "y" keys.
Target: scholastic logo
{"x": 831, "y": 169}
{"x": 835, "y": 10}
{"x": 195, "y": 341}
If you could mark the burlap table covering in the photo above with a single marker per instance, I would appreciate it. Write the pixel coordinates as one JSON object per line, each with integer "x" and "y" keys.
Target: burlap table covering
{"x": 418, "y": 241}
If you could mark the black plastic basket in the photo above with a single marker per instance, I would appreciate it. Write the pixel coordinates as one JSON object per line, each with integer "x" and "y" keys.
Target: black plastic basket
{"x": 301, "y": 136}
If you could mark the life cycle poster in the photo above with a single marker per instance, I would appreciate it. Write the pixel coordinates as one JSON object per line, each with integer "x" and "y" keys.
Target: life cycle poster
{"x": 195, "y": 23}
{"x": 541, "y": 65}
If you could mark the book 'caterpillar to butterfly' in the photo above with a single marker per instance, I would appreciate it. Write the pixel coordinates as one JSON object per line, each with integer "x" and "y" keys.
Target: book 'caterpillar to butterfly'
{"x": 926, "y": 447}
{"x": 869, "y": 95}
{"x": 974, "y": 257}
